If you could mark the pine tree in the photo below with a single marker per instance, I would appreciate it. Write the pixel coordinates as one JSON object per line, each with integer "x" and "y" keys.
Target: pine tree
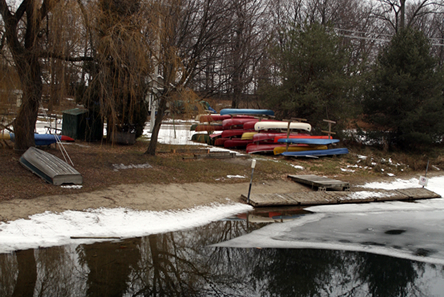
{"x": 404, "y": 97}
{"x": 314, "y": 80}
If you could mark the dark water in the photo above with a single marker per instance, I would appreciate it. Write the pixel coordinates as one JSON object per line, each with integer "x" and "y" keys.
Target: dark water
{"x": 183, "y": 264}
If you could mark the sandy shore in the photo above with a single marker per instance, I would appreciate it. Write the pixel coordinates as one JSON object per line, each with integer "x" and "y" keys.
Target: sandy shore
{"x": 154, "y": 197}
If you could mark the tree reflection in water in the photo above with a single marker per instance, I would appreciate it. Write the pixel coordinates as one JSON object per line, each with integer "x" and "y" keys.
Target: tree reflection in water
{"x": 8, "y": 273}
{"x": 110, "y": 266}
{"x": 55, "y": 273}
{"x": 387, "y": 276}
{"x": 182, "y": 264}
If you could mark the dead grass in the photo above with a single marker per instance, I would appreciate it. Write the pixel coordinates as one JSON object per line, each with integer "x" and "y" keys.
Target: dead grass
{"x": 97, "y": 162}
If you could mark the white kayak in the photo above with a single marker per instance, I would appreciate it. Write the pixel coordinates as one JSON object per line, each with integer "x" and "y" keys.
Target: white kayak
{"x": 268, "y": 125}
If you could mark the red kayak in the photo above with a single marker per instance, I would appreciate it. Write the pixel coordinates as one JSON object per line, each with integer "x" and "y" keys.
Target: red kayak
{"x": 270, "y": 137}
{"x": 234, "y": 132}
{"x": 237, "y": 142}
{"x": 262, "y": 147}
{"x": 303, "y": 136}
{"x": 220, "y": 141}
{"x": 228, "y": 123}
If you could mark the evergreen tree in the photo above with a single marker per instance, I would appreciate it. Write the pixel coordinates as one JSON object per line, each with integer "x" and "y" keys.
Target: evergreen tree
{"x": 404, "y": 97}
{"x": 314, "y": 81}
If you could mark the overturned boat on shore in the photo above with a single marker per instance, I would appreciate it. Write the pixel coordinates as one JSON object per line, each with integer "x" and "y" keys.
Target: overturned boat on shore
{"x": 50, "y": 168}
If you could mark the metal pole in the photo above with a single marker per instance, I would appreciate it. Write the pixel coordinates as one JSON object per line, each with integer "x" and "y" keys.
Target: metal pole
{"x": 427, "y": 168}
{"x": 153, "y": 110}
{"x": 253, "y": 164}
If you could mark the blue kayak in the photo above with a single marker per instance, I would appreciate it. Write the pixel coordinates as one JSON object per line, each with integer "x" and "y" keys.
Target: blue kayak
{"x": 317, "y": 153}
{"x": 45, "y": 139}
{"x": 316, "y": 141}
{"x": 246, "y": 111}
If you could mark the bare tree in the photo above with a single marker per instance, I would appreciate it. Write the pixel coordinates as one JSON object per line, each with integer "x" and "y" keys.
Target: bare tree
{"x": 247, "y": 42}
{"x": 184, "y": 36}
{"x": 26, "y": 49}
{"x": 402, "y": 13}
{"x": 33, "y": 37}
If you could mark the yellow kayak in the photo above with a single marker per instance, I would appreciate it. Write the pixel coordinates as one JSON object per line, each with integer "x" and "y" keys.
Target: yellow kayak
{"x": 248, "y": 135}
{"x": 5, "y": 135}
{"x": 280, "y": 149}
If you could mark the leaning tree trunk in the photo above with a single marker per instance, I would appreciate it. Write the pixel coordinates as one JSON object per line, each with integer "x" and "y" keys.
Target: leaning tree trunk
{"x": 24, "y": 124}
{"x": 155, "y": 133}
{"x": 26, "y": 60}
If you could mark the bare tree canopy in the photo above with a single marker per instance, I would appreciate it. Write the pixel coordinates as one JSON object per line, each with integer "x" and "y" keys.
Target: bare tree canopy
{"x": 111, "y": 55}
{"x": 30, "y": 45}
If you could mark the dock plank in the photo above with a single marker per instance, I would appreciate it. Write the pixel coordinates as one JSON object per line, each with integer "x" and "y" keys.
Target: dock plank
{"x": 320, "y": 182}
{"x": 419, "y": 193}
{"x": 337, "y": 197}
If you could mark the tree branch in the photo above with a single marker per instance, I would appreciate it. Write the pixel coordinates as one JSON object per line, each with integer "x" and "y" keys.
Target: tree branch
{"x": 6, "y": 127}
{"x": 4, "y": 11}
{"x": 65, "y": 58}
{"x": 2, "y": 41}
{"x": 47, "y": 6}
{"x": 20, "y": 11}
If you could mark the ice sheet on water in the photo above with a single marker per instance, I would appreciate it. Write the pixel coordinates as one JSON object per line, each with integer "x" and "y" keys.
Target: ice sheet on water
{"x": 400, "y": 229}
{"x": 415, "y": 235}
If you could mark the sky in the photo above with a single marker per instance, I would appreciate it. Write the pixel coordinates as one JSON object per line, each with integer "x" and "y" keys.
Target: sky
{"x": 418, "y": 220}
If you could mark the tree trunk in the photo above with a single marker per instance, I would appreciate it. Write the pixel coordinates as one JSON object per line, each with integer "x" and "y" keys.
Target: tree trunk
{"x": 24, "y": 124}
{"x": 402, "y": 9}
{"x": 27, "y": 273}
{"x": 237, "y": 87}
{"x": 25, "y": 57}
{"x": 155, "y": 133}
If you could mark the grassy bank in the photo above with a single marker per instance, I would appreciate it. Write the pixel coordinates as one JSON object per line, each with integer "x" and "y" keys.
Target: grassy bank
{"x": 104, "y": 165}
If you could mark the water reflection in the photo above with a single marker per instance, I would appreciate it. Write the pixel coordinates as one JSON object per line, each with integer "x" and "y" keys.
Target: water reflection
{"x": 110, "y": 266}
{"x": 182, "y": 264}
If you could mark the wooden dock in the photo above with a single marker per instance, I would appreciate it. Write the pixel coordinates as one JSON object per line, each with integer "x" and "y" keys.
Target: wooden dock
{"x": 341, "y": 193}
{"x": 320, "y": 182}
{"x": 338, "y": 197}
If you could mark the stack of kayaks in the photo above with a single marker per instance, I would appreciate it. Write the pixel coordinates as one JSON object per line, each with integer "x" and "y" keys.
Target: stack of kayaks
{"x": 236, "y": 128}
{"x": 211, "y": 123}
{"x": 253, "y": 130}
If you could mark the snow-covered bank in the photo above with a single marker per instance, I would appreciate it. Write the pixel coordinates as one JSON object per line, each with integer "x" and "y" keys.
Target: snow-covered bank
{"x": 77, "y": 227}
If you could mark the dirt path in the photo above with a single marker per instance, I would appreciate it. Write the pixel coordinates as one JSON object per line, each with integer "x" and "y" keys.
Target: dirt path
{"x": 154, "y": 197}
